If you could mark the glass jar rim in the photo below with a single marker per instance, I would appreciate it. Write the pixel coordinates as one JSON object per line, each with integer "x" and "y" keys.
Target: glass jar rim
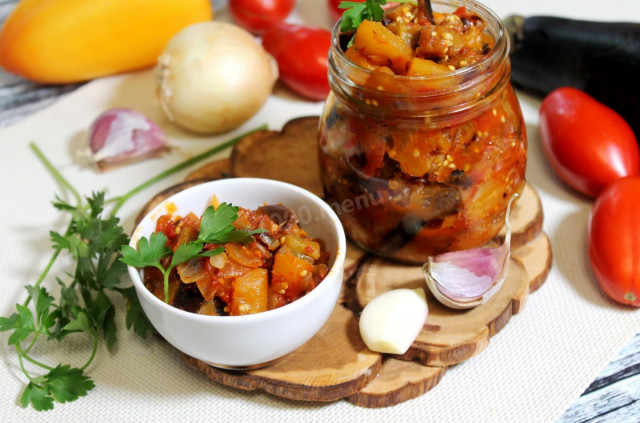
{"x": 495, "y": 56}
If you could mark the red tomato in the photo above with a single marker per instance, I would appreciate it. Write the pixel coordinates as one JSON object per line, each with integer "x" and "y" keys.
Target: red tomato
{"x": 587, "y": 144}
{"x": 614, "y": 240}
{"x": 301, "y": 53}
{"x": 257, "y": 15}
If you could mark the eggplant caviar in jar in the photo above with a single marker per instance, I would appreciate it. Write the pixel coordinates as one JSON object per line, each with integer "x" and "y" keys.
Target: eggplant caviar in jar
{"x": 422, "y": 141}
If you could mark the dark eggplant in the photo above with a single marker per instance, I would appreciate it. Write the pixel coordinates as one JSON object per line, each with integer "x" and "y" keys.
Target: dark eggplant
{"x": 600, "y": 58}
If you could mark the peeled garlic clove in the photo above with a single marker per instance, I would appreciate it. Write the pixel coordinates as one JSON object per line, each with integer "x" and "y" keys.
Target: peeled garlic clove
{"x": 121, "y": 136}
{"x": 468, "y": 278}
{"x": 392, "y": 321}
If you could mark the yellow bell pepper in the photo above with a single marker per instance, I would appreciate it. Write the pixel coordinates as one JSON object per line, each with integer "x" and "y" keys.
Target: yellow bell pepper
{"x": 64, "y": 41}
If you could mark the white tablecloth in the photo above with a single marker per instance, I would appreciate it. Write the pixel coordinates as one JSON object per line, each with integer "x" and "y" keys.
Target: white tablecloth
{"x": 532, "y": 370}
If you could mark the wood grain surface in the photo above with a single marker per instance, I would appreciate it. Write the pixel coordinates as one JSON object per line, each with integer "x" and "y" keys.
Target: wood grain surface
{"x": 614, "y": 396}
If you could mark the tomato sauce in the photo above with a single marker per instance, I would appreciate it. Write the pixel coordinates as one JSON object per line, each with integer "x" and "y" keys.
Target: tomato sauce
{"x": 281, "y": 265}
{"x": 423, "y": 131}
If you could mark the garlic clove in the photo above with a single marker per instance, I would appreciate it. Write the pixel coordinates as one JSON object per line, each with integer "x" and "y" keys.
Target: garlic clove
{"x": 121, "y": 136}
{"x": 465, "y": 279}
{"x": 392, "y": 321}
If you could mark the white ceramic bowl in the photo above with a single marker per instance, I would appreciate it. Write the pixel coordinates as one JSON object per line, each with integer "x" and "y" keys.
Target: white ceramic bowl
{"x": 258, "y": 339}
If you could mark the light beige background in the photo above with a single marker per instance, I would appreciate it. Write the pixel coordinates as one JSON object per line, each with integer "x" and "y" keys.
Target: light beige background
{"x": 532, "y": 370}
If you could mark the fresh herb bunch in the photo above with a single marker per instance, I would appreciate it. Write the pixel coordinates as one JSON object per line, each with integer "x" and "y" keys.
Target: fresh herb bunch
{"x": 216, "y": 227}
{"x": 93, "y": 239}
{"x": 356, "y": 12}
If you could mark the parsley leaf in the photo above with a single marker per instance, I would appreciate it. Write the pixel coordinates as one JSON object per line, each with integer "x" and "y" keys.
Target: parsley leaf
{"x": 354, "y": 15}
{"x": 37, "y": 396}
{"x": 21, "y": 323}
{"x": 216, "y": 227}
{"x": 356, "y": 12}
{"x": 216, "y": 224}
{"x": 79, "y": 324}
{"x": 68, "y": 383}
{"x": 149, "y": 251}
{"x": 136, "y": 318}
{"x": 63, "y": 384}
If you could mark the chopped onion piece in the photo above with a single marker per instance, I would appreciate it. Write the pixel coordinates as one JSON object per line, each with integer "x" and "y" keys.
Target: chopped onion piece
{"x": 191, "y": 271}
{"x": 218, "y": 260}
{"x": 465, "y": 279}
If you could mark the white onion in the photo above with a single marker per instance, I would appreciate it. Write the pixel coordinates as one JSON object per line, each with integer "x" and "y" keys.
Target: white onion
{"x": 213, "y": 76}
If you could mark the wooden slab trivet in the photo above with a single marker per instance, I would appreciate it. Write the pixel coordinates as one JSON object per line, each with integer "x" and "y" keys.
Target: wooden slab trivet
{"x": 398, "y": 381}
{"x": 332, "y": 365}
{"x": 289, "y": 155}
{"x": 335, "y": 363}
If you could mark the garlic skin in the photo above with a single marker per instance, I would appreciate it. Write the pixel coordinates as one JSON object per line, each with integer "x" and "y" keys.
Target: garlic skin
{"x": 121, "y": 136}
{"x": 465, "y": 279}
{"x": 213, "y": 76}
{"x": 392, "y": 321}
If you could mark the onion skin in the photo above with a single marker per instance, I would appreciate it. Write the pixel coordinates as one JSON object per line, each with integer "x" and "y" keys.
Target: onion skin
{"x": 212, "y": 77}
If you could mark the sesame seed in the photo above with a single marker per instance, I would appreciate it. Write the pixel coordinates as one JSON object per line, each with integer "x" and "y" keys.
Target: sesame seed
{"x": 380, "y": 88}
{"x": 502, "y": 119}
{"x": 463, "y": 63}
{"x": 449, "y": 157}
{"x": 446, "y": 162}
{"x": 282, "y": 240}
{"x": 447, "y": 36}
{"x": 282, "y": 291}
{"x": 495, "y": 112}
{"x": 242, "y": 308}
{"x": 304, "y": 273}
{"x": 452, "y": 166}
{"x": 374, "y": 102}
{"x": 448, "y": 42}
{"x": 416, "y": 153}
{"x": 452, "y": 67}
{"x": 392, "y": 153}
{"x": 513, "y": 144}
{"x": 433, "y": 33}
{"x": 285, "y": 286}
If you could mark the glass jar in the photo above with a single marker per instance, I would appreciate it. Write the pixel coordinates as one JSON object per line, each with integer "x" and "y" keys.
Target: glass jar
{"x": 427, "y": 166}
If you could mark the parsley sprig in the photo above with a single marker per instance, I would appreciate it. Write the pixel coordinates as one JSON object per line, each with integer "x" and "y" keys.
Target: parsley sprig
{"x": 93, "y": 239}
{"x": 216, "y": 227}
{"x": 356, "y": 12}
